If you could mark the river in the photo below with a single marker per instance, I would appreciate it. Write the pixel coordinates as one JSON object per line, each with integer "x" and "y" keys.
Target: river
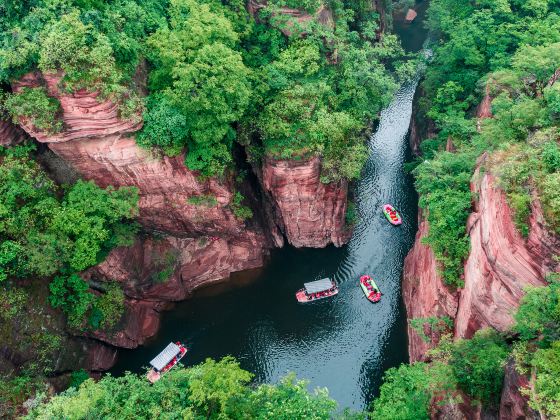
{"x": 345, "y": 343}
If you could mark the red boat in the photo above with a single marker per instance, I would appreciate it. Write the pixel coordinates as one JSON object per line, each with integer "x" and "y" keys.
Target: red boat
{"x": 164, "y": 361}
{"x": 316, "y": 290}
{"x": 370, "y": 289}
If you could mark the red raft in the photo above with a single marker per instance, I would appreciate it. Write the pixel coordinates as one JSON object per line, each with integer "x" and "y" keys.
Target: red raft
{"x": 370, "y": 289}
{"x": 316, "y": 290}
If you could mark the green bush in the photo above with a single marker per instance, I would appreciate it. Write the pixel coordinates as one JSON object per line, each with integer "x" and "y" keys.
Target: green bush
{"x": 546, "y": 397}
{"x": 35, "y": 106}
{"x": 71, "y": 294}
{"x": 78, "y": 377}
{"x": 239, "y": 210}
{"x": 444, "y": 187}
{"x": 210, "y": 390}
{"x": 206, "y": 200}
{"x": 538, "y": 315}
{"x": 478, "y": 365}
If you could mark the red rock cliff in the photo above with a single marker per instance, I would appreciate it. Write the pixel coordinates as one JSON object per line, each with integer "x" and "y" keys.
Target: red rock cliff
{"x": 200, "y": 244}
{"x": 308, "y": 212}
{"x": 10, "y": 134}
{"x": 100, "y": 146}
{"x": 501, "y": 263}
{"x": 424, "y": 294}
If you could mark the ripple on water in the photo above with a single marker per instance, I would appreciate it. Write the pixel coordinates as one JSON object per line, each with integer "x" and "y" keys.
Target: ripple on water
{"x": 344, "y": 343}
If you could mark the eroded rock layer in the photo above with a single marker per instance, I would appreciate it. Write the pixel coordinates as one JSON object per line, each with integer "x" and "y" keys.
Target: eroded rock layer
{"x": 308, "y": 212}
{"x": 10, "y": 134}
{"x": 424, "y": 294}
{"x": 100, "y": 146}
{"x": 501, "y": 262}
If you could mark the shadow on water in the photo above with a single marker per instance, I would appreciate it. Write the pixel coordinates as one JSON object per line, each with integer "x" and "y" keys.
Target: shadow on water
{"x": 344, "y": 343}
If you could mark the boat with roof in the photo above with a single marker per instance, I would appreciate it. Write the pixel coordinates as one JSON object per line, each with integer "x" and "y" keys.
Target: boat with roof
{"x": 316, "y": 290}
{"x": 164, "y": 361}
{"x": 370, "y": 288}
{"x": 392, "y": 215}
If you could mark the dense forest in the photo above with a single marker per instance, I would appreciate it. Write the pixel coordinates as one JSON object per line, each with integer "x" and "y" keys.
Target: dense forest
{"x": 209, "y": 77}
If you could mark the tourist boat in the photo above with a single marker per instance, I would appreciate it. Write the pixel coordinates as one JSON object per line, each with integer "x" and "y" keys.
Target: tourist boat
{"x": 370, "y": 289}
{"x": 392, "y": 215}
{"x": 164, "y": 361}
{"x": 316, "y": 290}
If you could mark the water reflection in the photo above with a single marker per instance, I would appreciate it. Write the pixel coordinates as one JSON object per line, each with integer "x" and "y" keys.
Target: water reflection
{"x": 344, "y": 343}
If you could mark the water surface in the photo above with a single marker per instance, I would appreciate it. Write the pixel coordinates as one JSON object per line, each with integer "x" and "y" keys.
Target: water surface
{"x": 345, "y": 343}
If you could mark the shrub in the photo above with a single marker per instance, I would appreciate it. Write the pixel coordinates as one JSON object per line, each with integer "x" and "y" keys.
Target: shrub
{"x": 110, "y": 306}
{"x": 71, "y": 294}
{"x": 35, "y": 106}
{"x": 478, "y": 365}
{"x": 538, "y": 314}
{"x": 206, "y": 200}
{"x": 239, "y": 210}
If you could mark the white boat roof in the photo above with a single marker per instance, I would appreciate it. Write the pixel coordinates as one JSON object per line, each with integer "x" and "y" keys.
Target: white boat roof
{"x": 168, "y": 353}
{"x": 318, "y": 286}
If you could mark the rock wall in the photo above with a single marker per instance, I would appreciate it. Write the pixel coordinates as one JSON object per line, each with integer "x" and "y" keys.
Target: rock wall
{"x": 514, "y": 405}
{"x": 200, "y": 243}
{"x": 501, "y": 263}
{"x": 424, "y": 294}
{"x": 100, "y": 146}
{"x": 308, "y": 212}
{"x": 10, "y": 134}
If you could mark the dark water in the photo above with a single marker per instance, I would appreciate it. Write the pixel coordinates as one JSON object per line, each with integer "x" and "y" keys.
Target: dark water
{"x": 345, "y": 343}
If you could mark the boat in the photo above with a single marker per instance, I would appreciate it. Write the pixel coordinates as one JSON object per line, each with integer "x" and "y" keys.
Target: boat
{"x": 316, "y": 290}
{"x": 164, "y": 361}
{"x": 410, "y": 16}
{"x": 392, "y": 215}
{"x": 370, "y": 289}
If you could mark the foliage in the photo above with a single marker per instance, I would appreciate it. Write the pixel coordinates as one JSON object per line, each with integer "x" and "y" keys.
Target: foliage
{"x": 108, "y": 308}
{"x": 239, "y": 210}
{"x": 12, "y": 302}
{"x": 211, "y": 390}
{"x": 407, "y": 391}
{"x": 478, "y": 365}
{"x": 443, "y": 184}
{"x": 435, "y": 324}
{"x": 203, "y": 82}
{"x": 43, "y": 234}
{"x": 46, "y": 231}
{"x": 71, "y": 294}
{"x": 546, "y": 397}
{"x": 351, "y": 215}
{"x": 206, "y": 200}
{"x": 538, "y": 315}
{"x": 78, "y": 377}
{"x": 35, "y": 106}
{"x": 511, "y": 53}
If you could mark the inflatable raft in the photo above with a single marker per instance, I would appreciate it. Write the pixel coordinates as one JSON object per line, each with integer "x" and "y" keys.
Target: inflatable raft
{"x": 392, "y": 215}
{"x": 370, "y": 289}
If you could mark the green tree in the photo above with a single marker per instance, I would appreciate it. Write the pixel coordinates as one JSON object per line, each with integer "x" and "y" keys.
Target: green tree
{"x": 478, "y": 365}
{"x": 212, "y": 390}
{"x": 202, "y": 78}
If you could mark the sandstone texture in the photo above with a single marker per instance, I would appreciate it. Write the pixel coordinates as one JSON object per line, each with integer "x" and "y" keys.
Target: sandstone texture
{"x": 199, "y": 242}
{"x": 308, "y": 212}
{"x": 170, "y": 269}
{"x": 10, "y": 135}
{"x": 501, "y": 262}
{"x": 513, "y": 404}
{"x": 424, "y": 294}
{"x": 101, "y": 147}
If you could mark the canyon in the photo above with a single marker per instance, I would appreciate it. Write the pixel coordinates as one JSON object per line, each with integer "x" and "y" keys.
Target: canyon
{"x": 500, "y": 265}
{"x": 185, "y": 243}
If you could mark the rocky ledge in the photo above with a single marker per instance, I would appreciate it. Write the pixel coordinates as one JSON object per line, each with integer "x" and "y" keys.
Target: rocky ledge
{"x": 308, "y": 212}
